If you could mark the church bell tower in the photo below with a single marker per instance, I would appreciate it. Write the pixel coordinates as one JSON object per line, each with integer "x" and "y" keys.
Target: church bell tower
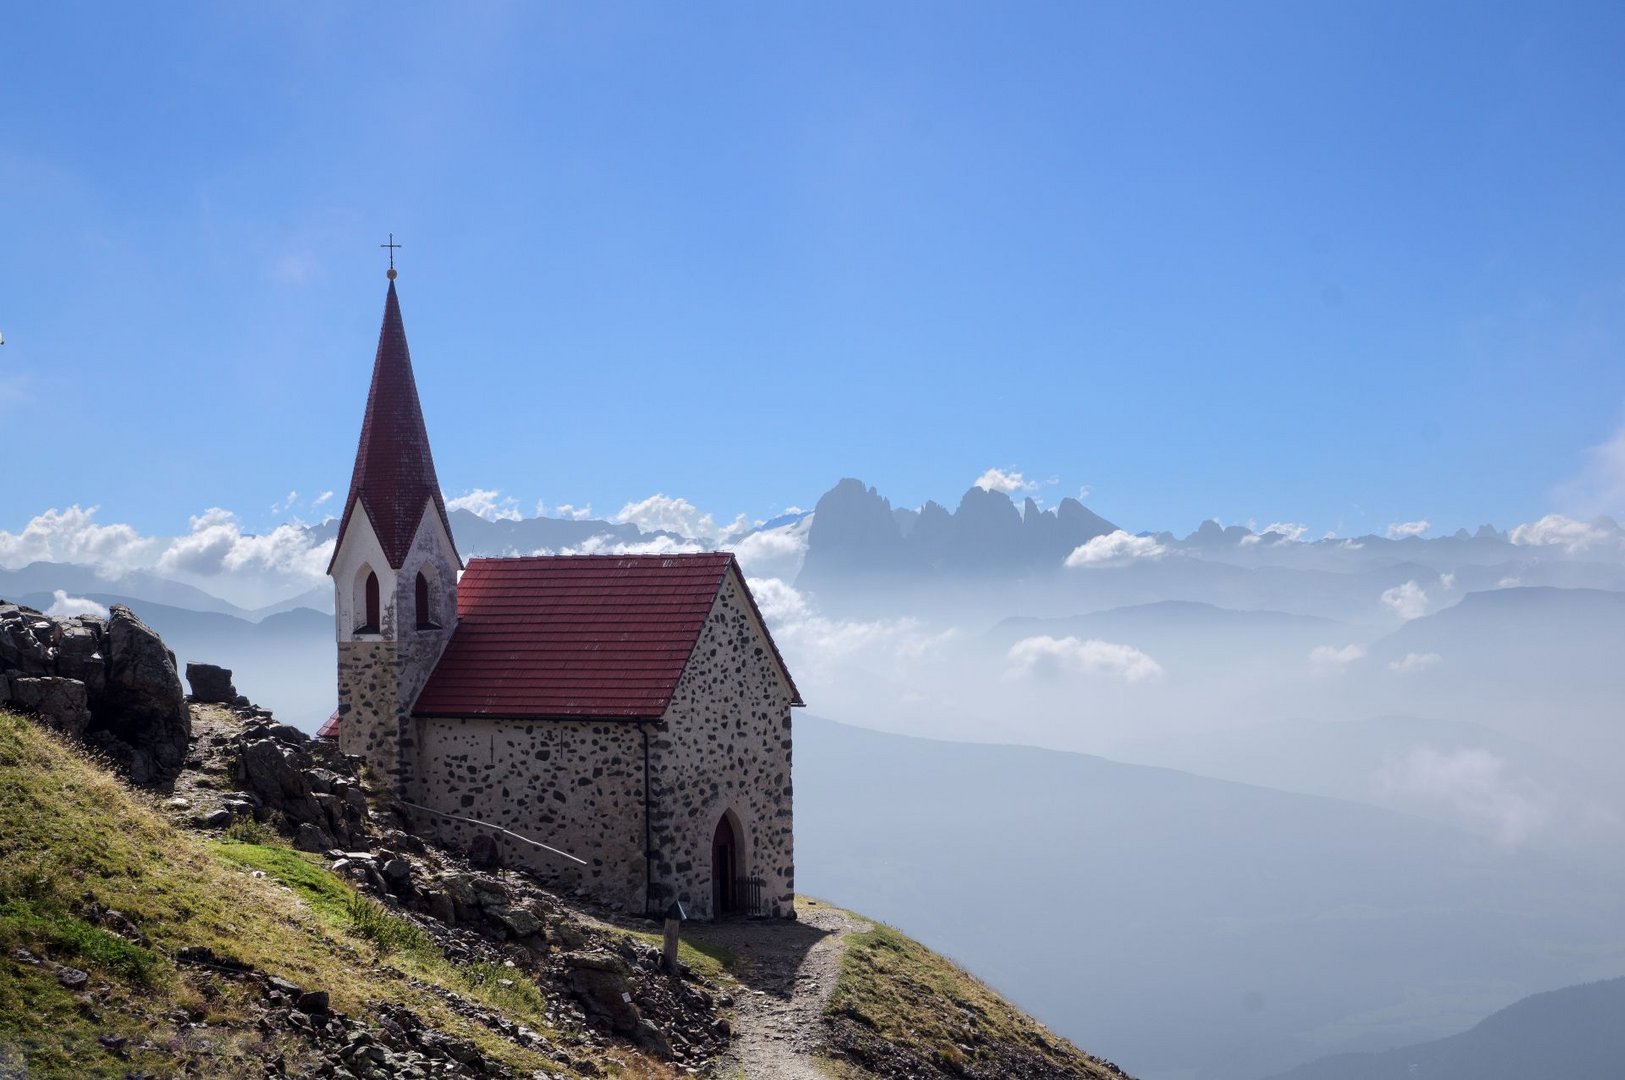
{"x": 394, "y": 567}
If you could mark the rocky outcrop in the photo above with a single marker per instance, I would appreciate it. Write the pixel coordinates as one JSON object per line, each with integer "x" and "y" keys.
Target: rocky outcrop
{"x": 245, "y": 767}
{"x": 307, "y": 782}
{"x": 601, "y": 980}
{"x": 60, "y": 704}
{"x": 140, "y": 721}
{"x": 110, "y": 683}
{"x": 211, "y": 685}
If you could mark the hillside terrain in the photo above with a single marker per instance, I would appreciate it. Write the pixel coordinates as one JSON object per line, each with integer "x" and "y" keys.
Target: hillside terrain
{"x": 1574, "y": 1033}
{"x": 1109, "y": 897}
{"x": 180, "y": 932}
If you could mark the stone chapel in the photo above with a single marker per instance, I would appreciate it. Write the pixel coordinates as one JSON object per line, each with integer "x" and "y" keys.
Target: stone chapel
{"x": 631, "y": 712}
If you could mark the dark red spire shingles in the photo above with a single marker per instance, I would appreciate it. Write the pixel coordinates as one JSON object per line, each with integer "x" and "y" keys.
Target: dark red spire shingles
{"x": 574, "y": 635}
{"x": 394, "y": 472}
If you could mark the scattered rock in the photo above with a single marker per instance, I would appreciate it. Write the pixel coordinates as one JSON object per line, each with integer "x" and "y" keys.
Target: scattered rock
{"x": 519, "y": 923}
{"x": 210, "y": 684}
{"x": 311, "y": 838}
{"x": 72, "y": 978}
{"x": 313, "y": 1001}
{"x": 599, "y": 979}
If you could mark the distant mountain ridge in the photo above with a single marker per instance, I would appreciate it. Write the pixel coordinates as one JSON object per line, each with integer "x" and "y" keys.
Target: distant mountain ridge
{"x": 1573, "y": 1033}
{"x": 857, "y": 533}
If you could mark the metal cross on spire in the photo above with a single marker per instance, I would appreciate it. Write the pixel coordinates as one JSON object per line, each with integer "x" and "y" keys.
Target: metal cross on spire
{"x": 392, "y": 245}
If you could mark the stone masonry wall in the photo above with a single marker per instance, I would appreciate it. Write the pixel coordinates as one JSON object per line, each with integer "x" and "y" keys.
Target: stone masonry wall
{"x": 369, "y": 705}
{"x": 724, "y": 744}
{"x": 573, "y": 785}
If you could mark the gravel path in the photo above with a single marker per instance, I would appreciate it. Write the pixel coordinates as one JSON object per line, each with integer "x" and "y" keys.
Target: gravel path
{"x": 787, "y": 972}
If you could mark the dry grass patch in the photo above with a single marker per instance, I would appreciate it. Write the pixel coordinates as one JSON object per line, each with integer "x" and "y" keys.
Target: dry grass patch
{"x": 899, "y": 1006}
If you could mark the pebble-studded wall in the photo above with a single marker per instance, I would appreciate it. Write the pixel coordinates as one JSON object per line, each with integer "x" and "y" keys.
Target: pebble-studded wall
{"x": 724, "y": 744}
{"x": 573, "y": 785}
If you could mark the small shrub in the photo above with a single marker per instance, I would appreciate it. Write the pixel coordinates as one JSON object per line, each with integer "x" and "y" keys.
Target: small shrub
{"x": 245, "y": 830}
{"x": 485, "y": 980}
{"x": 388, "y": 933}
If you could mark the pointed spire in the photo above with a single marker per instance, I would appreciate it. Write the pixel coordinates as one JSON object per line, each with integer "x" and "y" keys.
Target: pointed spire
{"x": 394, "y": 476}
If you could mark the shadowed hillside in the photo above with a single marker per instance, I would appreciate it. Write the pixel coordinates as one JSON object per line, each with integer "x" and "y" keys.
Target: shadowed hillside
{"x": 1574, "y": 1033}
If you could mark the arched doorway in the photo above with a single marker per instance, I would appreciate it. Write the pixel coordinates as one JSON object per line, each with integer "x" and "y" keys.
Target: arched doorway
{"x": 724, "y": 869}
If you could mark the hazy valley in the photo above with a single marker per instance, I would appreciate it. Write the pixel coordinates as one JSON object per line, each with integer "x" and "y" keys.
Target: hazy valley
{"x": 1213, "y": 805}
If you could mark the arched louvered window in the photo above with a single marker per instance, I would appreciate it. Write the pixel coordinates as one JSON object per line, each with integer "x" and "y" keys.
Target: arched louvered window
{"x": 425, "y": 609}
{"x": 374, "y": 606}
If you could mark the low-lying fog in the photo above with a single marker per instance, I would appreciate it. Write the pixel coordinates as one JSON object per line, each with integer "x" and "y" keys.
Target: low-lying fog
{"x": 1395, "y": 808}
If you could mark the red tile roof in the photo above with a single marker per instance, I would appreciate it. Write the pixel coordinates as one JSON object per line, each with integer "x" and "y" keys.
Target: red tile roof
{"x": 576, "y": 635}
{"x": 330, "y": 727}
{"x": 394, "y": 472}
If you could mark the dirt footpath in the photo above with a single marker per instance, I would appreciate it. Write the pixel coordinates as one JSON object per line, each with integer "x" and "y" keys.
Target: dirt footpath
{"x": 787, "y": 972}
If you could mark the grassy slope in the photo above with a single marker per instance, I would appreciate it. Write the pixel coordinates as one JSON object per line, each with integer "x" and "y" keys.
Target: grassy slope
{"x": 71, "y": 836}
{"x": 74, "y": 839}
{"x": 898, "y": 1002}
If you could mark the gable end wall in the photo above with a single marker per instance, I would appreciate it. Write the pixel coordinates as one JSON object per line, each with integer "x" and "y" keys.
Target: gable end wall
{"x": 724, "y": 744}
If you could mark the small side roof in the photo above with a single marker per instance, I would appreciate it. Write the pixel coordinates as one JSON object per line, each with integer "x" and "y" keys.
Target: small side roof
{"x": 578, "y": 636}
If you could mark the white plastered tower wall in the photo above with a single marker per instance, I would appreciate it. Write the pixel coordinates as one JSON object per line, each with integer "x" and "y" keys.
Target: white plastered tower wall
{"x": 382, "y": 669}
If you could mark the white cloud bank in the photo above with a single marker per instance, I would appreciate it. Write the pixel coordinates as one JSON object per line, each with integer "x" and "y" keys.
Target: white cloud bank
{"x": 819, "y": 644}
{"x": 71, "y": 536}
{"x": 64, "y": 606}
{"x": 1115, "y": 549}
{"x": 774, "y": 553}
{"x": 1285, "y": 532}
{"x": 1555, "y": 530}
{"x": 1401, "y": 530}
{"x": 605, "y": 544}
{"x": 1046, "y": 656}
{"x": 1415, "y": 661}
{"x": 662, "y": 513}
{"x": 1472, "y": 784}
{"x": 1008, "y": 481}
{"x": 1329, "y": 657}
{"x": 217, "y": 545}
{"x": 487, "y": 503}
{"x": 1408, "y": 601}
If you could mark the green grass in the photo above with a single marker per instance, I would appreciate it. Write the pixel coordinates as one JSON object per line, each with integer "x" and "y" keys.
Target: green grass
{"x": 45, "y": 926}
{"x": 72, "y": 835}
{"x": 300, "y": 871}
{"x": 344, "y": 908}
{"x": 328, "y": 895}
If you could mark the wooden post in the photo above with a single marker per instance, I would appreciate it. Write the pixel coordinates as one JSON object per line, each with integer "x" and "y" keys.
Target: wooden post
{"x": 674, "y": 919}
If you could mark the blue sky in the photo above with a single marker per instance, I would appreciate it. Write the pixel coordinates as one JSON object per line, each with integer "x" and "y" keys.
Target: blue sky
{"x": 1336, "y": 264}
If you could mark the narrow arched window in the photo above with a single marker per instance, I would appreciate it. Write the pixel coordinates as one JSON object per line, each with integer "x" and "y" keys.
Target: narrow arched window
{"x": 425, "y": 612}
{"x": 373, "y": 604}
